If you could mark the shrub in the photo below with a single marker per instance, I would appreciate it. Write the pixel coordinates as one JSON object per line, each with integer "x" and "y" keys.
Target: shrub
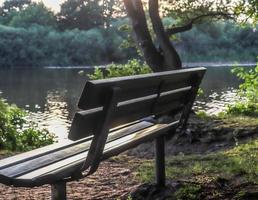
{"x": 132, "y": 67}
{"x": 248, "y": 93}
{"x": 39, "y": 46}
{"x": 14, "y": 135}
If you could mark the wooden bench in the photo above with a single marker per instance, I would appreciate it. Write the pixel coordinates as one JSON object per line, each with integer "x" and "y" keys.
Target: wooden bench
{"x": 116, "y": 114}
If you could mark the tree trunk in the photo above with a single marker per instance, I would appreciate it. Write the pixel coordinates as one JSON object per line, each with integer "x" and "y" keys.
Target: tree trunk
{"x": 167, "y": 59}
{"x": 142, "y": 35}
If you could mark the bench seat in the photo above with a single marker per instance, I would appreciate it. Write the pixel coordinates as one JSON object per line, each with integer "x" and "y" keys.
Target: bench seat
{"x": 59, "y": 161}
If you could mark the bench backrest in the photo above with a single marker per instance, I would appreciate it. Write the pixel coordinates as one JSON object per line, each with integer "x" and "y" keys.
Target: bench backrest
{"x": 136, "y": 97}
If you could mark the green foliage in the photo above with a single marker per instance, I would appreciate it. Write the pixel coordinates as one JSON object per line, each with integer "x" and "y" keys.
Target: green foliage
{"x": 39, "y": 46}
{"x": 243, "y": 108}
{"x": 218, "y": 42}
{"x": 200, "y": 92}
{"x": 14, "y": 135}
{"x": 87, "y": 14}
{"x": 248, "y": 93}
{"x": 11, "y": 8}
{"x": 249, "y": 88}
{"x": 188, "y": 192}
{"x": 81, "y": 14}
{"x": 13, "y": 5}
{"x": 35, "y": 13}
{"x": 38, "y": 43}
{"x": 203, "y": 115}
{"x": 132, "y": 67}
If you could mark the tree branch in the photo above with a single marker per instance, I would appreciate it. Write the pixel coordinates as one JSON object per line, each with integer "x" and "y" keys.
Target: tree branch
{"x": 189, "y": 25}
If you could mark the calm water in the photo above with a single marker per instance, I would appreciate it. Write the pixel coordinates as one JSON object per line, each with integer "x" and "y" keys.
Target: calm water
{"x": 51, "y": 95}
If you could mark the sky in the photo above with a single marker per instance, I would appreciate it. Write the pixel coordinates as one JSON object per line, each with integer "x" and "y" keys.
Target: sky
{"x": 53, "y": 4}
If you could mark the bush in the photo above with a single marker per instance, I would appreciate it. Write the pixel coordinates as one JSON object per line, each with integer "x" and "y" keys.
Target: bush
{"x": 132, "y": 67}
{"x": 14, "y": 135}
{"x": 39, "y": 46}
{"x": 218, "y": 42}
{"x": 248, "y": 93}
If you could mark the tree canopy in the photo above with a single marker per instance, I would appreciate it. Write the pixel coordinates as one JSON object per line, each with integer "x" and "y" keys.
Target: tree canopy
{"x": 35, "y": 13}
{"x": 87, "y": 14}
{"x": 81, "y": 14}
{"x": 156, "y": 29}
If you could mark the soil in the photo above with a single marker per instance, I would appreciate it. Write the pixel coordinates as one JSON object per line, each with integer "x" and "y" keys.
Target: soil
{"x": 115, "y": 179}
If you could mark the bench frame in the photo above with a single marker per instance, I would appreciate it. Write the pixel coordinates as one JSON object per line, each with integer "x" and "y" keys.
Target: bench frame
{"x": 93, "y": 159}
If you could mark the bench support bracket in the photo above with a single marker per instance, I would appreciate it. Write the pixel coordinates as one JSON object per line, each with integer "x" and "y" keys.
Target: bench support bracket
{"x": 58, "y": 191}
{"x": 160, "y": 161}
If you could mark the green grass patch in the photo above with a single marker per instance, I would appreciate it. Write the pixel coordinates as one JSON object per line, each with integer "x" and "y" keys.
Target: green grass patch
{"x": 239, "y": 161}
{"x": 230, "y": 120}
{"x": 188, "y": 192}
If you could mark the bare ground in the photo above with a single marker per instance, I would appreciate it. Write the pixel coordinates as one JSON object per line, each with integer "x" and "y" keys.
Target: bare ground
{"x": 113, "y": 180}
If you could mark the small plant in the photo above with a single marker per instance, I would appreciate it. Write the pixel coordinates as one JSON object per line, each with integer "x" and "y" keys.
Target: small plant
{"x": 14, "y": 135}
{"x": 200, "y": 92}
{"x": 188, "y": 192}
{"x": 132, "y": 67}
{"x": 248, "y": 93}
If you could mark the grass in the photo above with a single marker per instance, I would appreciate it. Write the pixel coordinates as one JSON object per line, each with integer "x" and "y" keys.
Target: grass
{"x": 239, "y": 161}
{"x": 189, "y": 192}
{"x": 242, "y": 120}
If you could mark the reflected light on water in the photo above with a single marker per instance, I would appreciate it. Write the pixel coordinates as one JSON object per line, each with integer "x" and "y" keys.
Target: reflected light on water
{"x": 216, "y": 102}
{"x": 55, "y": 115}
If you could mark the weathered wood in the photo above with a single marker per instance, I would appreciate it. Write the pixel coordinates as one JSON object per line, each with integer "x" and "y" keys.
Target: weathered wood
{"x": 33, "y": 154}
{"x": 58, "y": 191}
{"x": 137, "y": 86}
{"x": 45, "y": 160}
{"x": 137, "y": 138}
{"x": 86, "y": 122}
{"x": 23, "y": 173}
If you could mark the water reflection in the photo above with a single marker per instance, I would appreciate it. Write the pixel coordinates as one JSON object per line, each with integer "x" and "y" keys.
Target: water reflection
{"x": 216, "y": 102}
{"x": 55, "y": 116}
{"x": 51, "y": 95}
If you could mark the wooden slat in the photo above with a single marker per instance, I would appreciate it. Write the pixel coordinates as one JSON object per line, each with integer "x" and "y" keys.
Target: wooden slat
{"x": 45, "y": 160}
{"x": 95, "y": 92}
{"x": 86, "y": 122}
{"x": 67, "y": 167}
{"x": 66, "y": 155}
{"x": 137, "y": 138}
{"x": 23, "y": 157}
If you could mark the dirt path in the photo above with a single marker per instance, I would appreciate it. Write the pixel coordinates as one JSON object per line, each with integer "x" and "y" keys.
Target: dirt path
{"x": 113, "y": 180}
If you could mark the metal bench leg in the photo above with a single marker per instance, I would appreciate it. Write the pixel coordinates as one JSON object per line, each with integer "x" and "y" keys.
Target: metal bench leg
{"x": 160, "y": 161}
{"x": 58, "y": 191}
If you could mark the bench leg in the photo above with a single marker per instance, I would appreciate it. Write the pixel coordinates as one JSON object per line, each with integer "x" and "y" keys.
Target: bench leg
{"x": 160, "y": 161}
{"x": 58, "y": 191}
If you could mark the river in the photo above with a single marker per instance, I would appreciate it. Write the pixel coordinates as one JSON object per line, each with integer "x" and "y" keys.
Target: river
{"x": 50, "y": 95}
